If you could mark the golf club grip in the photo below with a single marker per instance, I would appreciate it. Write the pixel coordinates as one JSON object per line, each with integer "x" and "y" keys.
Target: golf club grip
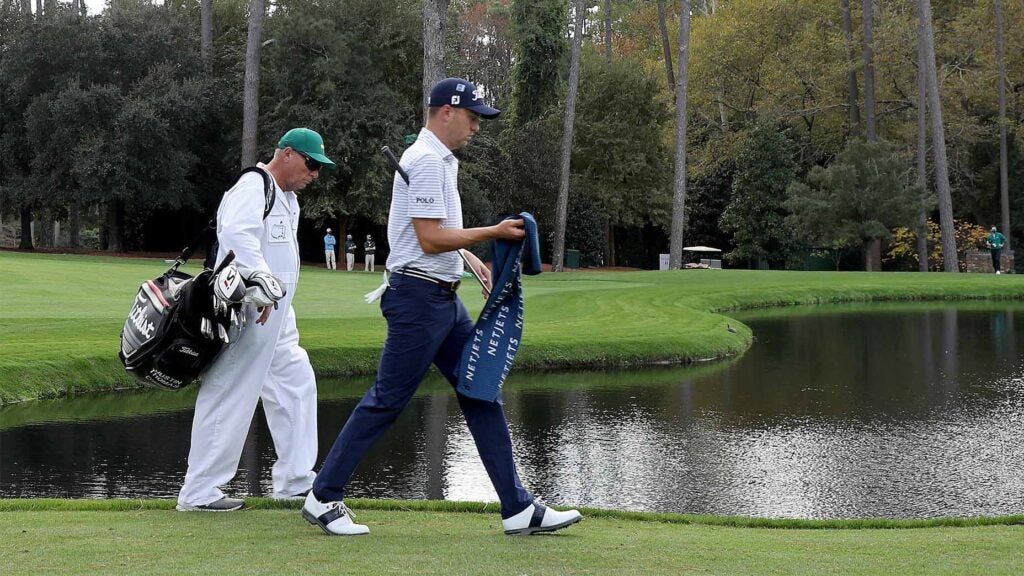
{"x": 394, "y": 163}
{"x": 191, "y": 248}
{"x": 228, "y": 259}
{"x": 473, "y": 273}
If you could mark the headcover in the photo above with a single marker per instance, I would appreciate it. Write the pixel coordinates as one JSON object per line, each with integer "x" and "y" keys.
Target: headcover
{"x": 228, "y": 285}
{"x": 263, "y": 289}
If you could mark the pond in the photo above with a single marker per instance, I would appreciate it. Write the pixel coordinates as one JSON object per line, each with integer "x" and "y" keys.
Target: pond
{"x": 835, "y": 412}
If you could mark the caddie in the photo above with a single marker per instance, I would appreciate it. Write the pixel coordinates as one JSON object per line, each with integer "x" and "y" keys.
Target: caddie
{"x": 265, "y": 362}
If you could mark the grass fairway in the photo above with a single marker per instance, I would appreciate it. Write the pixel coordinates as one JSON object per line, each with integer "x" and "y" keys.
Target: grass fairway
{"x": 62, "y": 315}
{"x": 59, "y": 335}
{"x": 139, "y": 539}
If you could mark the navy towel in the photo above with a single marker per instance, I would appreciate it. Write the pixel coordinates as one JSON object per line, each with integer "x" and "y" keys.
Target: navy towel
{"x": 488, "y": 356}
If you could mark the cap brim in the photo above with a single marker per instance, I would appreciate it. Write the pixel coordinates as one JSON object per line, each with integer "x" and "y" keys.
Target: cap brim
{"x": 323, "y": 160}
{"x": 485, "y": 111}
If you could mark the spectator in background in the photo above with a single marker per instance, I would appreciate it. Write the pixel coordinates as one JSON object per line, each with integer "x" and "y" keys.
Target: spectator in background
{"x": 329, "y": 243}
{"x": 370, "y": 249}
{"x": 350, "y": 252}
{"x": 995, "y": 242}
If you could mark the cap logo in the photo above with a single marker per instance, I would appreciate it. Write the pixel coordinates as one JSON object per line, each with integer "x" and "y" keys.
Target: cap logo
{"x": 478, "y": 94}
{"x": 456, "y": 99}
{"x": 460, "y": 88}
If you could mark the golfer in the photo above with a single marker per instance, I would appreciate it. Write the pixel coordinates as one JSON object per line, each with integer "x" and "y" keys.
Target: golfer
{"x": 266, "y": 362}
{"x": 427, "y": 323}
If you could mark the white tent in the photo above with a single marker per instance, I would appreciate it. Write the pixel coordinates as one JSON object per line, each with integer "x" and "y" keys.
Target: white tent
{"x": 700, "y": 249}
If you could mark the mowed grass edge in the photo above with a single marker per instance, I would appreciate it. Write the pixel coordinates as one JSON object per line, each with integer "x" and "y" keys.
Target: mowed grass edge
{"x": 447, "y": 506}
{"x": 62, "y": 317}
{"x": 145, "y": 537}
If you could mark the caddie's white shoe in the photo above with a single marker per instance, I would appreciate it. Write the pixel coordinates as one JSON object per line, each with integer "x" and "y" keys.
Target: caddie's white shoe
{"x": 539, "y": 518}
{"x": 334, "y": 518}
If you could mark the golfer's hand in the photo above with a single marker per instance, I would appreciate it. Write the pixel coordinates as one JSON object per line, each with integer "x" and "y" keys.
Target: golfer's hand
{"x": 513, "y": 229}
{"x": 264, "y": 314}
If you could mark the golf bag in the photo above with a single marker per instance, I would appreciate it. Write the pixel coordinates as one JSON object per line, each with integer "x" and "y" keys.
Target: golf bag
{"x": 179, "y": 324}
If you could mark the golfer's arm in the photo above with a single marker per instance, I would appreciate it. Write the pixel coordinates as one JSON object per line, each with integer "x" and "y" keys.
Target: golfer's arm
{"x": 435, "y": 240}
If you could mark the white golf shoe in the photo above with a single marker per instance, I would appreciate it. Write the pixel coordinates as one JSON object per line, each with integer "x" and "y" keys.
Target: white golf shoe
{"x": 334, "y": 518}
{"x": 539, "y": 518}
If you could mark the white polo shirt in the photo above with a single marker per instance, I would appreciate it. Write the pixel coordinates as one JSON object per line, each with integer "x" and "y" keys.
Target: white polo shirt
{"x": 432, "y": 192}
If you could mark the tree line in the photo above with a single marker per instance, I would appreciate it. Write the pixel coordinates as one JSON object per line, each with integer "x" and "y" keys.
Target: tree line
{"x": 880, "y": 133}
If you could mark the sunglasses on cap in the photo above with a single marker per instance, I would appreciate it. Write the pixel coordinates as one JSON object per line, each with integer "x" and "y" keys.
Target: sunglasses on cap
{"x": 311, "y": 165}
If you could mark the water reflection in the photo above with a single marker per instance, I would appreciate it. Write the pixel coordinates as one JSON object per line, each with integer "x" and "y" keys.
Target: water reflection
{"x": 877, "y": 413}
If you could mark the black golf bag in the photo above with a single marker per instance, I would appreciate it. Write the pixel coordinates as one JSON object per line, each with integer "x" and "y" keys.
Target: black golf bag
{"x": 176, "y": 329}
{"x": 179, "y": 324}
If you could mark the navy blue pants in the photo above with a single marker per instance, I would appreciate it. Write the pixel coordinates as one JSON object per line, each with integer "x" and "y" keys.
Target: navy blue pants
{"x": 426, "y": 324}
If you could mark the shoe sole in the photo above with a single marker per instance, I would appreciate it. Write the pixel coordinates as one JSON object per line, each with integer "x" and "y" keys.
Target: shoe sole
{"x": 538, "y": 529}
{"x": 181, "y": 508}
{"x": 312, "y": 520}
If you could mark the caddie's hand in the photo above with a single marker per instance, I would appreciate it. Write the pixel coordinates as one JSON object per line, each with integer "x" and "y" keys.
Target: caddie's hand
{"x": 264, "y": 314}
{"x": 512, "y": 229}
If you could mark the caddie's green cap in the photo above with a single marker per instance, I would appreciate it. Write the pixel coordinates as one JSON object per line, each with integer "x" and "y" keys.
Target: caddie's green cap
{"x": 307, "y": 142}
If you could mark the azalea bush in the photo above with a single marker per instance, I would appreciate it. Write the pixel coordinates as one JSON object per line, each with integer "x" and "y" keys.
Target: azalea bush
{"x": 902, "y": 254}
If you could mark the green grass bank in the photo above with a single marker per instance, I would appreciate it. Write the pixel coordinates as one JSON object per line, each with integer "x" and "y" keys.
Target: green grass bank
{"x": 147, "y": 537}
{"x": 62, "y": 315}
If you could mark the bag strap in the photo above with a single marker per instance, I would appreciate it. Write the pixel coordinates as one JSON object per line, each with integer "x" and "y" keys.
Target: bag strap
{"x": 208, "y": 234}
{"x": 269, "y": 191}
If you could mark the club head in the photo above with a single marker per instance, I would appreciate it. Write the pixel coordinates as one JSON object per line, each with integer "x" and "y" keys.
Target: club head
{"x": 206, "y": 327}
{"x": 222, "y": 333}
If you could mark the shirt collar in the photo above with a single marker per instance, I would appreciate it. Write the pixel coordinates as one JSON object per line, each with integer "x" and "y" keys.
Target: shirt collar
{"x": 272, "y": 179}
{"x": 431, "y": 140}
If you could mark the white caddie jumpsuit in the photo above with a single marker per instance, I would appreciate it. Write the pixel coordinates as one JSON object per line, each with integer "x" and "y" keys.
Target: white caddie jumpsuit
{"x": 265, "y": 363}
